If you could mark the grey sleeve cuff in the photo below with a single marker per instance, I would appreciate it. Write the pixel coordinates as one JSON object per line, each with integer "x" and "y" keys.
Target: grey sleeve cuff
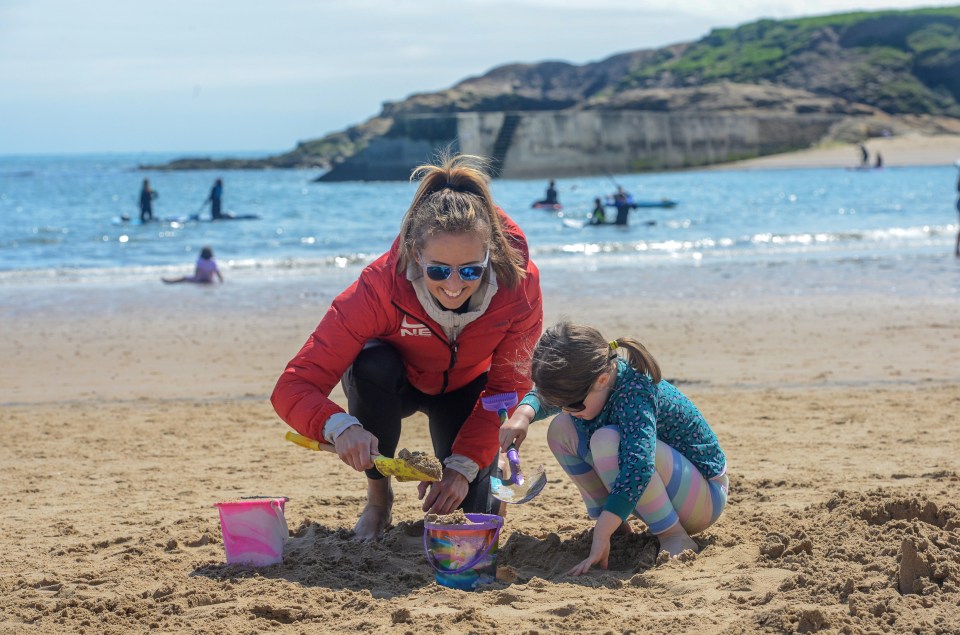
{"x": 336, "y": 424}
{"x": 462, "y": 464}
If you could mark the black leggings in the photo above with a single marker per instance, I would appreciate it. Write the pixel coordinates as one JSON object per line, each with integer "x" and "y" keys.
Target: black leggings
{"x": 379, "y": 396}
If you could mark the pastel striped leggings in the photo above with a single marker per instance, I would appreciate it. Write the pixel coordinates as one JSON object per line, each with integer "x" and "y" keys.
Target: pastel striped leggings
{"x": 677, "y": 492}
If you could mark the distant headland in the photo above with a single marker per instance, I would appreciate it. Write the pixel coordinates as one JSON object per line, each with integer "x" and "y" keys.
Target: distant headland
{"x": 759, "y": 89}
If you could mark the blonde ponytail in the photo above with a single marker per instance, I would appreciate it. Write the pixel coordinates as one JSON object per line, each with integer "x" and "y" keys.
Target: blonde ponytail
{"x": 454, "y": 197}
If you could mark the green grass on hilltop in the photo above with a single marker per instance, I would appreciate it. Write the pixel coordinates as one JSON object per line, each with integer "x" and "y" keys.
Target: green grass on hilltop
{"x": 915, "y": 53}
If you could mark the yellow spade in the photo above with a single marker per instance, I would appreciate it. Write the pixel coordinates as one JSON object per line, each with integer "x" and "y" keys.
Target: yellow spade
{"x": 397, "y": 468}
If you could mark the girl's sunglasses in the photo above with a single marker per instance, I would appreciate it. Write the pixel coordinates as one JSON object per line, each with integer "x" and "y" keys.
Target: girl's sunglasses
{"x": 577, "y": 406}
{"x": 467, "y": 273}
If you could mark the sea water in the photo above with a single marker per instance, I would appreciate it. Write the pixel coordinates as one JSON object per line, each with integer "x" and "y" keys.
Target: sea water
{"x": 733, "y": 233}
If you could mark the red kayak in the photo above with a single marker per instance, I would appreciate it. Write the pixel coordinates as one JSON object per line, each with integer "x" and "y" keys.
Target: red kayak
{"x": 551, "y": 207}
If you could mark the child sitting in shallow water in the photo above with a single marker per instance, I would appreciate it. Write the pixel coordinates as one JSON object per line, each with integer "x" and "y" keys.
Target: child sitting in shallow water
{"x": 204, "y": 271}
{"x": 630, "y": 441}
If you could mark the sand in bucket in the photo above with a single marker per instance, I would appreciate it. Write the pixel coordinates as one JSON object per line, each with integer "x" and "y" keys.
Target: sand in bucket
{"x": 254, "y": 530}
{"x": 463, "y": 554}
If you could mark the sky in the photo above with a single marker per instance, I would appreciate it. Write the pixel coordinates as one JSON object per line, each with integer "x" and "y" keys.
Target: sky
{"x": 214, "y": 77}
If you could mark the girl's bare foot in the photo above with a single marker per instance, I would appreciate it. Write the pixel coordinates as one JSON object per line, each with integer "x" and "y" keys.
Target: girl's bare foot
{"x": 675, "y": 541}
{"x": 376, "y": 516}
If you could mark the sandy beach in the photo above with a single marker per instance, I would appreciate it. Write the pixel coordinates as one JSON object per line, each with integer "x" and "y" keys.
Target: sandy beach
{"x": 897, "y": 151}
{"x": 127, "y": 414}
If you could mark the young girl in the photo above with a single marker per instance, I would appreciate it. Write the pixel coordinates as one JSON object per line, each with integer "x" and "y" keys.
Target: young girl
{"x": 204, "y": 271}
{"x": 630, "y": 441}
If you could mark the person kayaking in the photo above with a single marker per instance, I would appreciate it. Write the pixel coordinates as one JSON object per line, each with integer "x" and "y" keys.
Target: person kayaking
{"x": 599, "y": 214}
{"x": 551, "y": 198}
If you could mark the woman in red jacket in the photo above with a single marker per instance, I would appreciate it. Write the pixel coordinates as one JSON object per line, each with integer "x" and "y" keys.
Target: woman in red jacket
{"x": 449, "y": 314}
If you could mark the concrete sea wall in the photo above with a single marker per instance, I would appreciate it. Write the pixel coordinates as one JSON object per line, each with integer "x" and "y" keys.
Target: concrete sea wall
{"x": 569, "y": 143}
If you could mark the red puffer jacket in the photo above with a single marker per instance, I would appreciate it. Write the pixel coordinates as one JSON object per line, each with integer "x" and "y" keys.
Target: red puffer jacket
{"x": 383, "y": 305}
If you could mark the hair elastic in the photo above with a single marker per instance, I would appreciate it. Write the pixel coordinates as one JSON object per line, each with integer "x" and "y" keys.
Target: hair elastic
{"x": 613, "y": 345}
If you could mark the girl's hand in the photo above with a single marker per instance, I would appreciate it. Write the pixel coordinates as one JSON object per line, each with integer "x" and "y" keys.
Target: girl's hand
{"x": 514, "y": 430}
{"x": 356, "y": 447}
{"x": 600, "y": 549}
{"x": 599, "y": 553}
{"x": 446, "y": 495}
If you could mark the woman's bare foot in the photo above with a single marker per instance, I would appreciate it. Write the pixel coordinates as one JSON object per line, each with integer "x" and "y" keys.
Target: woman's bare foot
{"x": 378, "y": 513}
{"x": 675, "y": 541}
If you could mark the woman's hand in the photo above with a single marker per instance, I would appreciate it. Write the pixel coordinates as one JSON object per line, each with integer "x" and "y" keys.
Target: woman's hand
{"x": 514, "y": 430}
{"x": 600, "y": 549}
{"x": 446, "y": 495}
{"x": 356, "y": 447}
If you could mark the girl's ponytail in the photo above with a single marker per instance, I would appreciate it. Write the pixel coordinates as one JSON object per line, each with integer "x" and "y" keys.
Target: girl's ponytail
{"x": 638, "y": 356}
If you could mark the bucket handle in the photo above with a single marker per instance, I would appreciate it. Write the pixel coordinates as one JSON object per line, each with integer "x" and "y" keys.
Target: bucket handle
{"x": 483, "y": 553}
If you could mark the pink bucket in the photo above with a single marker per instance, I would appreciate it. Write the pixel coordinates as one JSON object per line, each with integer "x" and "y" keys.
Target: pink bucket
{"x": 253, "y": 530}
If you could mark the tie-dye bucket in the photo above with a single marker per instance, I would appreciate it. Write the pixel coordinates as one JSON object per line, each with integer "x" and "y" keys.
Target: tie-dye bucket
{"x": 464, "y": 556}
{"x": 254, "y": 530}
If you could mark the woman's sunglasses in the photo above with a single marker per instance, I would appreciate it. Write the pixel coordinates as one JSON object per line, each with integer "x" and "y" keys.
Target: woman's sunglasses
{"x": 467, "y": 273}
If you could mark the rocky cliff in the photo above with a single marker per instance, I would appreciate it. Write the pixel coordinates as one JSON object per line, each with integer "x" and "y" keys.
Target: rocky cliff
{"x": 763, "y": 87}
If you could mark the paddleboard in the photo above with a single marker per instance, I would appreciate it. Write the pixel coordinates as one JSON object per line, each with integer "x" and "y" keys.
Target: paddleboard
{"x": 163, "y": 220}
{"x": 580, "y": 223}
{"x": 170, "y": 220}
{"x": 663, "y": 203}
{"x": 637, "y": 204}
{"x": 234, "y": 217}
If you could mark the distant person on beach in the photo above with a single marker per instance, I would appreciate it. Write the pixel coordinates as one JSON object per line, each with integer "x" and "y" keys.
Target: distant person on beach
{"x": 956, "y": 251}
{"x": 216, "y": 200}
{"x": 551, "y": 197}
{"x": 599, "y": 214}
{"x": 864, "y": 155}
{"x": 449, "y": 314}
{"x": 878, "y": 162}
{"x": 204, "y": 271}
{"x": 623, "y": 435}
{"x": 147, "y": 195}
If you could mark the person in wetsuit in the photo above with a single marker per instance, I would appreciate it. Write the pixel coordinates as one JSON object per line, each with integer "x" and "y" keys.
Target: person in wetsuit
{"x": 146, "y": 202}
{"x": 216, "y": 200}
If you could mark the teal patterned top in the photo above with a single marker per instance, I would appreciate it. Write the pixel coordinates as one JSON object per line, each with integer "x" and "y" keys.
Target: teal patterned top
{"x": 644, "y": 412}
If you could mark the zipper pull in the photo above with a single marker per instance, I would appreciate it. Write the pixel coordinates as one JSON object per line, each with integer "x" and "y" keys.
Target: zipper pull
{"x": 453, "y": 354}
